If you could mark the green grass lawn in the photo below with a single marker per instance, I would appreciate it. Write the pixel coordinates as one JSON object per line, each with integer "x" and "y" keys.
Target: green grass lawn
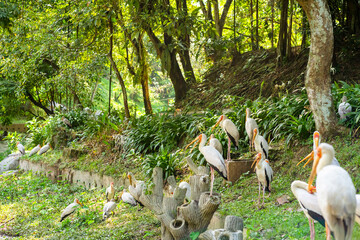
{"x": 34, "y": 204}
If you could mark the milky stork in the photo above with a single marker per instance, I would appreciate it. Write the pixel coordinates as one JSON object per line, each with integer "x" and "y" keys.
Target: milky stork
{"x": 70, "y": 209}
{"x": 34, "y": 150}
{"x": 344, "y": 108}
{"x": 231, "y": 131}
{"x": 336, "y": 193}
{"x": 108, "y": 208}
{"x": 212, "y": 156}
{"x": 309, "y": 204}
{"x": 21, "y": 148}
{"x": 264, "y": 174}
{"x": 316, "y": 142}
{"x": 44, "y": 149}
{"x": 185, "y": 185}
{"x": 250, "y": 125}
{"x": 110, "y": 192}
{"x": 128, "y": 198}
{"x": 261, "y": 145}
{"x": 214, "y": 142}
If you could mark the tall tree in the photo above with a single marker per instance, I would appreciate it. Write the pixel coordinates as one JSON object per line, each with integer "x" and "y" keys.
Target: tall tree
{"x": 317, "y": 80}
{"x": 282, "y": 42}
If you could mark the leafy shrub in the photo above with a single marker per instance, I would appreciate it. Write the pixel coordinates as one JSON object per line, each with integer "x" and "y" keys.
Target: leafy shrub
{"x": 12, "y": 138}
{"x": 169, "y": 162}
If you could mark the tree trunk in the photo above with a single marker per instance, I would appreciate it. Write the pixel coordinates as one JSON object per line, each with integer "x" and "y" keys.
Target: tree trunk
{"x": 304, "y": 28}
{"x": 144, "y": 75}
{"x": 251, "y": 25}
{"x": 288, "y": 48}
{"x": 353, "y": 16}
{"x": 317, "y": 80}
{"x": 118, "y": 75}
{"x": 272, "y": 23}
{"x": 38, "y": 103}
{"x": 257, "y": 25}
{"x": 283, "y": 31}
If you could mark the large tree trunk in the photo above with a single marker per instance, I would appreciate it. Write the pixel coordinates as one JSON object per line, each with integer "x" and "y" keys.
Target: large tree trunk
{"x": 257, "y": 25}
{"x": 118, "y": 75}
{"x": 144, "y": 75}
{"x": 317, "y": 81}
{"x": 283, "y": 31}
{"x": 288, "y": 48}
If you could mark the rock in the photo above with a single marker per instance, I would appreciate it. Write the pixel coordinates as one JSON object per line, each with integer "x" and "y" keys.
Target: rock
{"x": 217, "y": 221}
{"x": 9, "y": 173}
{"x": 283, "y": 199}
{"x": 11, "y": 162}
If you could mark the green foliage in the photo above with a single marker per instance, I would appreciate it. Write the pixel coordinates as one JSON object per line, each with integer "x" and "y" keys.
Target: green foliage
{"x": 12, "y": 138}
{"x": 169, "y": 162}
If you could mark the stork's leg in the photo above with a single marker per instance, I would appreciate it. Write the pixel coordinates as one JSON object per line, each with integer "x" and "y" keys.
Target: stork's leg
{"x": 312, "y": 229}
{"x": 212, "y": 180}
{"x": 328, "y": 234}
{"x": 229, "y": 145}
{"x": 259, "y": 193}
{"x": 263, "y": 195}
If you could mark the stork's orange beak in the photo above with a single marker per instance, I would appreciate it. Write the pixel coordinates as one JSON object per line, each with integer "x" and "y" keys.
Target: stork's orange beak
{"x": 217, "y": 123}
{"x": 313, "y": 171}
{"x": 257, "y": 159}
{"x": 254, "y": 135}
{"x": 130, "y": 179}
{"x": 198, "y": 139}
{"x": 78, "y": 202}
{"x": 310, "y": 156}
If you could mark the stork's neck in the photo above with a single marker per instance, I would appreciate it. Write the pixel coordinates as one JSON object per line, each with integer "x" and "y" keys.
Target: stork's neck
{"x": 325, "y": 160}
{"x": 202, "y": 142}
{"x": 247, "y": 114}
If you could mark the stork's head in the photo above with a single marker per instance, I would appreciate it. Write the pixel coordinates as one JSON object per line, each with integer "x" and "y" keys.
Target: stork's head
{"x": 344, "y": 99}
{"x": 324, "y": 157}
{"x": 248, "y": 112}
{"x": 211, "y": 137}
{"x": 112, "y": 184}
{"x": 257, "y": 159}
{"x": 17, "y": 143}
{"x": 220, "y": 119}
{"x": 130, "y": 178}
{"x": 78, "y": 202}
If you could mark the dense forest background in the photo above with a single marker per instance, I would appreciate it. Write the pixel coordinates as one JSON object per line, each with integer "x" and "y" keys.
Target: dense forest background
{"x": 143, "y": 56}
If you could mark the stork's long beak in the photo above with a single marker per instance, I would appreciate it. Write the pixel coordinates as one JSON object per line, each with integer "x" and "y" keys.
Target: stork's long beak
{"x": 253, "y": 138}
{"x": 218, "y": 122}
{"x": 311, "y": 156}
{"x": 257, "y": 159}
{"x": 196, "y": 139}
{"x": 130, "y": 179}
{"x": 313, "y": 172}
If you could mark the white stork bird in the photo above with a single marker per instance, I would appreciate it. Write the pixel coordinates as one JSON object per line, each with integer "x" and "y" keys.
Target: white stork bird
{"x": 344, "y": 108}
{"x": 250, "y": 125}
{"x": 110, "y": 192}
{"x": 21, "y": 148}
{"x": 108, "y": 208}
{"x": 44, "y": 149}
{"x": 309, "y": 204}
{"x": 34, "y": 150}
{"x": 264, "y": 174}
{"x": 136, "y": 186}
{"x": 357, "y": 213}
{"x": 336, "y": 193}
{"x": 212, "y": 156}
{"x": 261, "y": 145}
{"x": 128, "y": 198}
{"x": 214, "y": 142}
{"x": 316, "y": 142}
{"x": 70, "y": 209}
{"x": 66, "y": 121}
{"x": 231, "y": 131}
{"x": 185, "y": 185}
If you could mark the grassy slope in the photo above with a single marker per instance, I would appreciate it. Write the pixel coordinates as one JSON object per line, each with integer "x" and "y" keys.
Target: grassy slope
{"x": 36, "y": 203}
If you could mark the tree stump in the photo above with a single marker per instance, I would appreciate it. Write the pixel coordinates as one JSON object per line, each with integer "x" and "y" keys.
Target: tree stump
{"x": 177, "y": 219}
{"x": 232, "y": 230}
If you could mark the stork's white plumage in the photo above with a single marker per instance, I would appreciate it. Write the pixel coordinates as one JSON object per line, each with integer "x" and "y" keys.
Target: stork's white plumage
{"x": 316, "y": 142}
{"x": 21, "y": 148}
{"x": 231, "y": 131}
{"x": 250, "y": 125}
{"x": 264, "y": 174}
{"x": 136, "y": 185}
{"x": 34, "y": 150}
{"x": 261, "y": 145}
{"x": 309, "y": 204}
{"x": 336, "y": 193}
{"x": 70, "y": 209}
{"x": 185, "y": 185}
{"x": 212, "y": 156}
{"x": 128, "y": 198}
{"x": 108, "y": 208}
{"x": 44, "y": 149}
{"x": 214, "y": 142}
{"x": 344, "y": 108}
{"x": 110, "y": 192}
